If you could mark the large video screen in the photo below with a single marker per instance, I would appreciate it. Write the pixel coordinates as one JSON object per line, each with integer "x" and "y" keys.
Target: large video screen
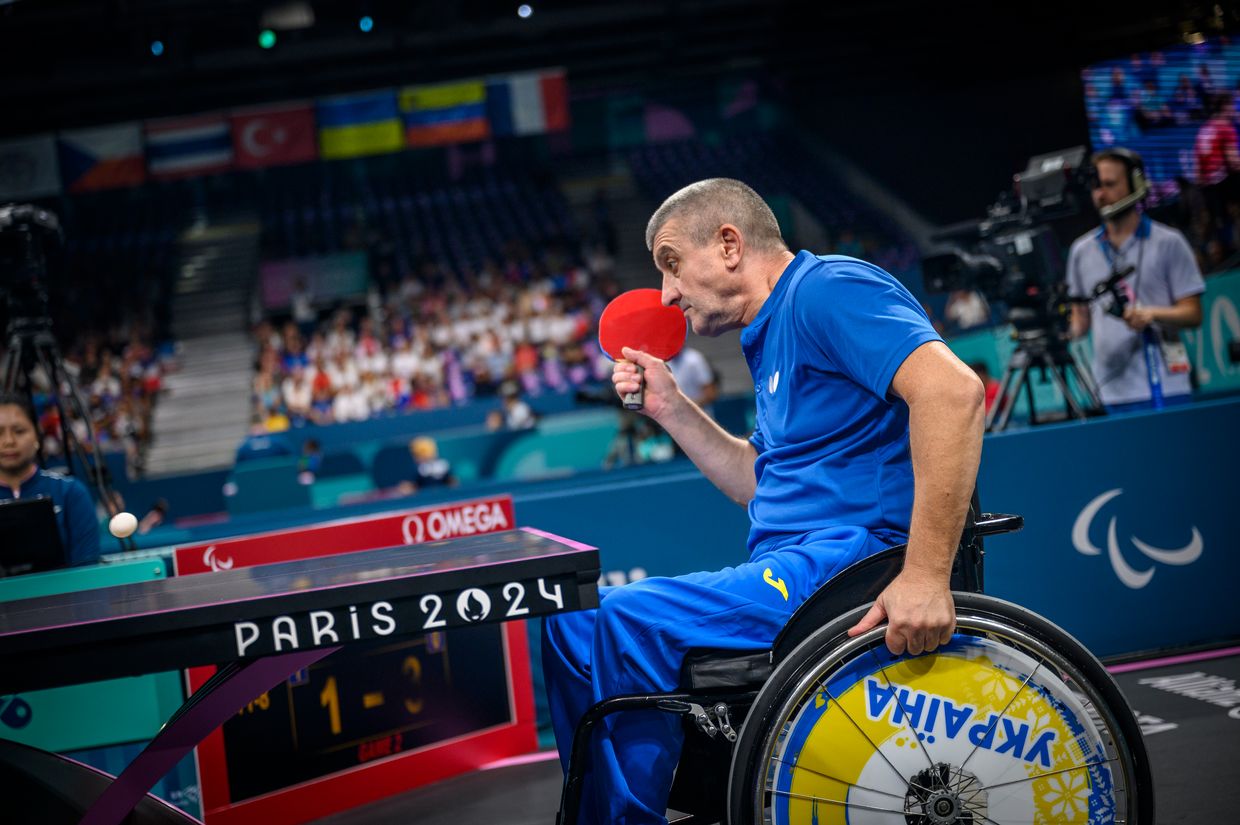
{"x": 1176, "y": 107}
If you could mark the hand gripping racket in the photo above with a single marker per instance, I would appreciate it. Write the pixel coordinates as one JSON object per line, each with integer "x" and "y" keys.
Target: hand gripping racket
{"x": 638, "y": 320}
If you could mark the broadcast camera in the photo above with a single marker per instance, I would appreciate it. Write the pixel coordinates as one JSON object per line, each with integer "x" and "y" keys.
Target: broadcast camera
{"x": 28, "y": 235}
{"x": 1013, "y": 255}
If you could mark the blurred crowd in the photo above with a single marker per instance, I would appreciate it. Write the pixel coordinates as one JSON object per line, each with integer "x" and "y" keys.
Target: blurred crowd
{"x": 1209, "y": 217}
{"x": 118, "y": 381}
{"x": 435, "y": 339}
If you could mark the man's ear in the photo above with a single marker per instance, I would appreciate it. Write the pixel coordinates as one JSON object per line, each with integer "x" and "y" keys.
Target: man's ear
{"x": 731, "y": 245}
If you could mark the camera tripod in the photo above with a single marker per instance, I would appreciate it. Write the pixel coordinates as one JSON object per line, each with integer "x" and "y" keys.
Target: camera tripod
{"x": 31, "y": 346}
{"x": 1049, "y": 351}
{"x": 27, "y": 234}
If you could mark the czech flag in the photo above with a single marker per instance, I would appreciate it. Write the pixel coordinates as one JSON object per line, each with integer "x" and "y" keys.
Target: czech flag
{"x": 445, "y": 113}
{"x": 352, "y": 126}
{"x": 528, "y": 103}
{"x": 107, "y": 157}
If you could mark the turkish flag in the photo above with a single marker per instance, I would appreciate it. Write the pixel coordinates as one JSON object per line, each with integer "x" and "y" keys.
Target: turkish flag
{"x": 274, "y": 136}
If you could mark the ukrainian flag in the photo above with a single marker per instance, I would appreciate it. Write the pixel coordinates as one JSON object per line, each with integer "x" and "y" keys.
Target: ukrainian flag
{"x": 445, "y": 113}
{"x": 352, "y": 126}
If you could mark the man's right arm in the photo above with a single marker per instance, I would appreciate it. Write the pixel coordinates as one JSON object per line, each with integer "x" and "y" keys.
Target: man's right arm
{"x": 723, "y": 458}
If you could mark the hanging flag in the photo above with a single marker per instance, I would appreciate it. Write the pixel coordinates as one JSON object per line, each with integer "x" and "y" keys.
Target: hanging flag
{"x": 445, "y": 113}
{"x": 28, "y": 168}
{"x": 274, "y": 135}
{"x": 184, "y": 146}
{"x": 106, "y": 157}
{"x": 352, "y": 126}
{"x": 529, "y": 103}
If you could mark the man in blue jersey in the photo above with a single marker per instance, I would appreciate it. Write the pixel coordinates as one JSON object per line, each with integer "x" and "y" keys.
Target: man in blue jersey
{"x": 857, "y": 399}
{"x": 20, "y": 477}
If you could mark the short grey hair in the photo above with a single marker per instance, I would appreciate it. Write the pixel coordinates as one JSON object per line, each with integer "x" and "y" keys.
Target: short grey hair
{"x": 711, "y": 203}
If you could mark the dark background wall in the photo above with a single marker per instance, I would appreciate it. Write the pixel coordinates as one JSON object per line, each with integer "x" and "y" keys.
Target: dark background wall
{"x": 943, "y": 102}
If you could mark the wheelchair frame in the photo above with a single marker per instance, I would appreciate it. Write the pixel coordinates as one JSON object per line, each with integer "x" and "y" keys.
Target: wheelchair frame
{"x": 719, "y": 687}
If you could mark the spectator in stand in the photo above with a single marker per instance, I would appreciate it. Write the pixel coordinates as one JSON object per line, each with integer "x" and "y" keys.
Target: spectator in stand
{"x": 298, "y": 395}
{"x": 265, "y": 393}
{"x": 341, "y": 337}
{"x": 1185, "y": 104}
{"x": 966, "y": 308}
{"x": 1152, "y": 111}
{"x": 301, "y": 303}
{"x": 516, "y": 414}
{"x": 321, "y": 406}
{"x": 341, "y": 375}
{"x": 350, "y": 404}
{"x": 276, "y": 421}
{"x": 695, "y": 377}
{"x": 1216, "y": 151}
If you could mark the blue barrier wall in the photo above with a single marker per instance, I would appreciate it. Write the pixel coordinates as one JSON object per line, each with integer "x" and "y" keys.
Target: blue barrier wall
{"x": 1143, "y": 498}
{"x": 1162, "y": 478}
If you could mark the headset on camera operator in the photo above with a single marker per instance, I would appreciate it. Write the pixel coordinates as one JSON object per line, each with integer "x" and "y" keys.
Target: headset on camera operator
{"x": 1136, "y": 284}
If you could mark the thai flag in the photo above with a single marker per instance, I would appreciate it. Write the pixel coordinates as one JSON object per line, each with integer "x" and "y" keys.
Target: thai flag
{"x": 179, "y": 147}
{"x": 528, "y": 103}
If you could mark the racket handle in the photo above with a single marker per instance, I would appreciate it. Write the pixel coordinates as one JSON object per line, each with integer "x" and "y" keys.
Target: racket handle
{"x": 633, "y": 400}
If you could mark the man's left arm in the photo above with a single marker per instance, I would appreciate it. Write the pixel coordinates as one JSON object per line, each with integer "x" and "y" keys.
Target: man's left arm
{"x": 946, "y": 403}
{"x": 1183, "y": 314}
{"x": 1184, "y": 284}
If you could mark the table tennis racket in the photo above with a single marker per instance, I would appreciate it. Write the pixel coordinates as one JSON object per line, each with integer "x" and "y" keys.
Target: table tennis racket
{"x": 638, "y": 320}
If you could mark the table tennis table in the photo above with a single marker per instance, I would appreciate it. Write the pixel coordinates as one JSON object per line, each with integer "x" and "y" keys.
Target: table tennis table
{"x": 262, "y": 624}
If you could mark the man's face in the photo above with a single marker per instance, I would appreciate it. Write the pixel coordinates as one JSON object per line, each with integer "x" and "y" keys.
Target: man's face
{"x": 18, "y": 440}
{"x": 1112, "y": 183}
{"x": 695, "y": 278}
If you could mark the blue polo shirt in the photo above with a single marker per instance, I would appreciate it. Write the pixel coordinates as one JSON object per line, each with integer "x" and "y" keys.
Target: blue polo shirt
{"x": 75, "y": 512}
{"x": 832, "y": 443}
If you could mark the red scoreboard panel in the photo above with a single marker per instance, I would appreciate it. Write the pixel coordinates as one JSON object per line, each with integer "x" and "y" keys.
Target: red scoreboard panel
{"x": 370, "y": 720}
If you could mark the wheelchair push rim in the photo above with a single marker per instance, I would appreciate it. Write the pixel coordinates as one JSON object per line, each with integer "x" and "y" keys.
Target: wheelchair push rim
{"x": 1011, "y": 722}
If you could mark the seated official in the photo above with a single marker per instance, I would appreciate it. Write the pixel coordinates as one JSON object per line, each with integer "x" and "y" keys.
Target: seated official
{"x": 429, "y": 470}
{"x": 20, "y": 477}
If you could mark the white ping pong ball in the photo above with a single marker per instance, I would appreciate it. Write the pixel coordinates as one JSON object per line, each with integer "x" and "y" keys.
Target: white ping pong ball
{"x": 122, "y": 525}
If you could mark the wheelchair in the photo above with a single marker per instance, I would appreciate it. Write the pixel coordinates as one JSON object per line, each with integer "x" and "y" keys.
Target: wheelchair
{"x": 1013, "y": 721}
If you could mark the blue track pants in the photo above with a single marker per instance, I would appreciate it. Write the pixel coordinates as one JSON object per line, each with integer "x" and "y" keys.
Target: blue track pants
{"x": 635, "y": 642}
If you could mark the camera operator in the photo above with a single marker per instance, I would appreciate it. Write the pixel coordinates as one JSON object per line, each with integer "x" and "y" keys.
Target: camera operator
{"x": 1139, "y": 362}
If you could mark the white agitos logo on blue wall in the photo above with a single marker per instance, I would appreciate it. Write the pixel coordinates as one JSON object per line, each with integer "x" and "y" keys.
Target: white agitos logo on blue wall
{"x": 1129, "y": 575}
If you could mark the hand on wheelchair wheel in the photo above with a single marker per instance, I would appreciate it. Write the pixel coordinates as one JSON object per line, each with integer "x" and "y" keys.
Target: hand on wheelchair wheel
{"x": 919, "y": 611}
{"x": 1010, "y": 722}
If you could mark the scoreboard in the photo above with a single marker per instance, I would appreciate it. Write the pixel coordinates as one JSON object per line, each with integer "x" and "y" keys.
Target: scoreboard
{"x": 379, "y": 717}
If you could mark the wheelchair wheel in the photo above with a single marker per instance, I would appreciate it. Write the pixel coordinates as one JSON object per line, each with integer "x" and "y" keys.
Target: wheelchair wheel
{"x": 1011, "y": 722}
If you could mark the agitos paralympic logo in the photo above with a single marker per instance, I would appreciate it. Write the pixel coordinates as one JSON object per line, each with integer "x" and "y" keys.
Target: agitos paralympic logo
{"x": 1128, "y": 574}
